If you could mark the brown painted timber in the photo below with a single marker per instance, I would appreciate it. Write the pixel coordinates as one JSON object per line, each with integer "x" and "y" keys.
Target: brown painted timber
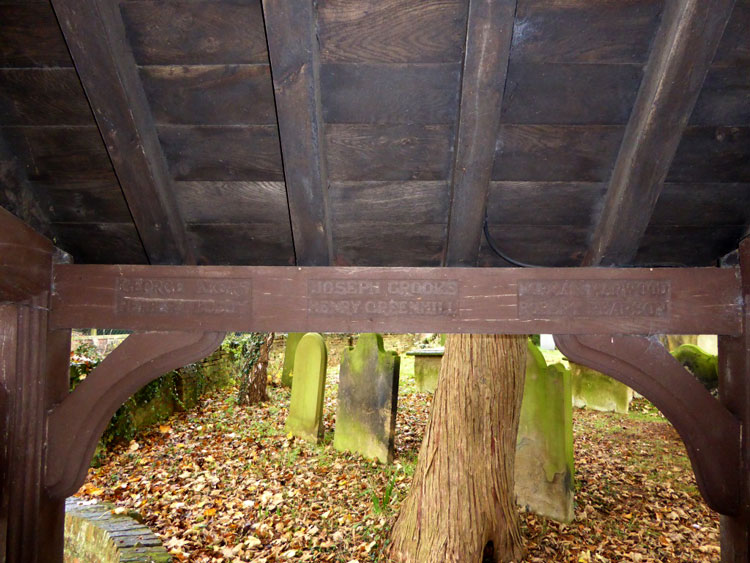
{"x": 25, "y": 259}
{"x": 75, "y": 425}
{"x": 473, "y": 300}
{"x": 710, "y": 432}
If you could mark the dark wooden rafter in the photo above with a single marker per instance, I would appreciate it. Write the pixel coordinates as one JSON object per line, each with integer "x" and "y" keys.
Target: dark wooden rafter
{"x": 291, "y": 32}
{"x": 734, "y": 393}
{"x": 485, "y": 67}
{"x": 710, "y": 432}
{"x": 95, "y": 35}
{"x": 75, "y": 425}
{"x": 682, "y": 52}
{"x": 25, "y": 260}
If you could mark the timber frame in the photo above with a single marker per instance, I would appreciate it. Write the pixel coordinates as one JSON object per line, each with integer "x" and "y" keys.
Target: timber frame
{"x": 332, "y": 165}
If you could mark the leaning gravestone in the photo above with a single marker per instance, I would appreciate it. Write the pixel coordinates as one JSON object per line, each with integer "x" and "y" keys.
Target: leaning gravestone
{"x": 287, "y": 372}
{"x": 368, "y": 397}
{"x": 599, "y": 392}
{"x": 544, "y": 447}
{"x": 305, "y": 418}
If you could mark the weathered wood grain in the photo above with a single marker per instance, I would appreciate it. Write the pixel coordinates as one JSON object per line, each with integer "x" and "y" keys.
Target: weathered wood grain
{"x": 95, "y": 36}
{"x": 725, "y": 98}
{"x": 734, "y": 48}
{"x": 243, "y": 243}
{"x": 571, "y": 94}
{"x": 382, "y": 94}
{"x": 604, "y": 31}
{"x": 484, "y": 73}
{"x": 210, "y": 94}
{"x": 478, "y": 300}
{"x": 25, "y": 260}
{"x": 30, "y": 36}
{"x": 539, "y": 245}
{"x": 712, "y": 154}
{"x": 222, "y": 153}
{"x": 392, "y": 244}
{"x": 555, "y": 153}
{"x": 232, "y": 202}
{"x": 694, "y": 246}
{"x": 61, "y": 155}
{"x": 413, "y": 203}
{"x": 293, "y": 47}
{"x": 543, "y": 203}
{"x": 703, "y": 205}
{"x": 100, "y": 202}
{"x": 196, "y": 32}
{"x": 392, "y": 31}
{"x": 682, "y": 52}
{"x": 43, "y": 96}
{"x": 119, "y": 240}
{"x": 388, "y": 152}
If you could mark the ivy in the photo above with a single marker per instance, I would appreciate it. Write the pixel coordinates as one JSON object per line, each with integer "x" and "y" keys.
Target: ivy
{"x": 244, "y": 349}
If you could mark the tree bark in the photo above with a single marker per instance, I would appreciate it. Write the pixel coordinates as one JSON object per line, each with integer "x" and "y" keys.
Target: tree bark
{"x": 257, "y": 389}
{"x": 461, "y": 498}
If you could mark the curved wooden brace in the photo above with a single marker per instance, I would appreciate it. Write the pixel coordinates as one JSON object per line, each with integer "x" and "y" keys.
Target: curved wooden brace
{"x": 75, "y": 425}
{"x": 710, "y": 432}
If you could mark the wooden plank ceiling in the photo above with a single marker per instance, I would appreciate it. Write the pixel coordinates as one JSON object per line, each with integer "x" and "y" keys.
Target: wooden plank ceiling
{"x": 378, "y": 132}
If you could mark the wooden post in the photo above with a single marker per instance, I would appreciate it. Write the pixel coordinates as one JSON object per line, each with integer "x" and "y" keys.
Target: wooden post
{"x": 33, "y": 374}
{"x": 734, "y": 393}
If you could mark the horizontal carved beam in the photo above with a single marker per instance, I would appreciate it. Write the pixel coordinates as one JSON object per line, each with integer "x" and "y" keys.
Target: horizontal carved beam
{"x": 333, "y": 299}
{"x": 710, "y": 433}
{"x": 75, "y": 426}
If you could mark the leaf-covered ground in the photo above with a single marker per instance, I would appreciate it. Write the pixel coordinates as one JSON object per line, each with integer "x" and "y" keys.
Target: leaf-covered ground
{"x": 226, "y": 484}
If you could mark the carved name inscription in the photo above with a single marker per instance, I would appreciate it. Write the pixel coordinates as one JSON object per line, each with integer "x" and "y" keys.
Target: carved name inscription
{"x": 185, "y": 296}
{"x": 382, "y": 298}
{"x": 539, "y": 299}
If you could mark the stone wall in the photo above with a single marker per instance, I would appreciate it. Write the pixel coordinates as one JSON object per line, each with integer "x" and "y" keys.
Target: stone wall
{"x": 94, "y": 534}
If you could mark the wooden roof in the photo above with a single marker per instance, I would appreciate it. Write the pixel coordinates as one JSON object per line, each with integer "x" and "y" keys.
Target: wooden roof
{"x": 378, "y": 132}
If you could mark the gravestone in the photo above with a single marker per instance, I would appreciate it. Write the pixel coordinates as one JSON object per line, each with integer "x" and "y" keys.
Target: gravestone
{"x": 427, "y": 368}
{"x": 544, "y": 447}
{"x": 599, "y": 392}
{"x": 700, "y": 363}
{"x": 368, "y": 397}
{"x": 305, "y": 418}
{"x": 287, "y": 371}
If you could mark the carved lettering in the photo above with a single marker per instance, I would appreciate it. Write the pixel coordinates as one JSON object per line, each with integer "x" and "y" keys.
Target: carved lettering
{"x": 178, "y": 296}
{"x": 539, "y": 299}
{"x": 382, "y": 298}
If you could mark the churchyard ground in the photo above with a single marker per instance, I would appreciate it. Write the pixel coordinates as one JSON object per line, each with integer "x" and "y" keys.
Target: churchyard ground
{"x": 225, "y": 483}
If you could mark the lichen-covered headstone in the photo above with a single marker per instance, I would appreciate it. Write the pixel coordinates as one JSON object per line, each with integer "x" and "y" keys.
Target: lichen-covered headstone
{"x": 427, "y": 368}
{"x": 368, "y": 397}
{"x": 287, "y": 372}
{"x": 305, "y": 418}
{"x": 599, "y": 392}
{"x": 544, "y": 447}
{"x": 700, "y": 363}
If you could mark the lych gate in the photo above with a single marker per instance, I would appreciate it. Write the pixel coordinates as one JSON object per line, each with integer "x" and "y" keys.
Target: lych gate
{"x": 346, "y": 166}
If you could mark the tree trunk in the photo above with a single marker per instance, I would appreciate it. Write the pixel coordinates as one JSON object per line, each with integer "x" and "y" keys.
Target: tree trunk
{"x": 461, "y": 499}
{"x": 257, "y": 389}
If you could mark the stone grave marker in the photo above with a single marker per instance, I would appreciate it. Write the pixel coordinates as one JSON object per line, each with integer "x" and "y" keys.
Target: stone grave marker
{"x": 544, "y": 447}
{"x": 368, "y": 397}
{"x": 287, "y": 372}
{"x": 427, "y": 368}
{"x": 305, "y": 418}
{"x": 599, "y": 392}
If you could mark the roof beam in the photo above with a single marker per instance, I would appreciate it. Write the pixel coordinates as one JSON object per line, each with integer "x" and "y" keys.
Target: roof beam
{"x": 683, "y": 49}
{"x": 95, "y": 35}
{"x": 291, "y": 32}
{"x": 488, "y": 36}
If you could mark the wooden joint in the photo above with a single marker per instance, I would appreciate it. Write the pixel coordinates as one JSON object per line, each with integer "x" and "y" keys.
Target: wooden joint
{"x": 710, "y": 432}
{"x": 75, "y": 425}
